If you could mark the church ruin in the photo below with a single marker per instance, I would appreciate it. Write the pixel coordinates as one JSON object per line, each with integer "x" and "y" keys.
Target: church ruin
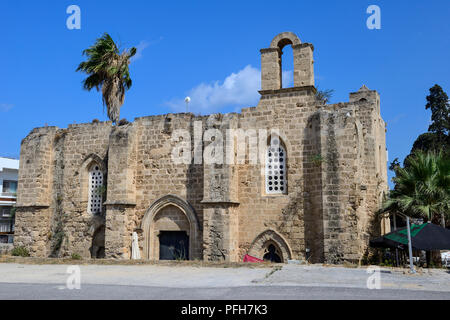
{"x": 88, "y": 188}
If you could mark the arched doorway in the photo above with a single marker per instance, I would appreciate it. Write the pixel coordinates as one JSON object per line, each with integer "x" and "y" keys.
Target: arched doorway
{"x": 171, "y": 227}
{"x": 171, "y": 230}
{"x": 98, "y": 244}
{"x": 270, "y": 246}
{"x": 173, "y": 245}
{"x": 272, "y": 253}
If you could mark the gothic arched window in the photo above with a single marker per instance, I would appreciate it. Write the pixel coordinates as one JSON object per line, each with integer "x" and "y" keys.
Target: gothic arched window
{"x": 95, "y": 190}
{"x": 276, "y": 182}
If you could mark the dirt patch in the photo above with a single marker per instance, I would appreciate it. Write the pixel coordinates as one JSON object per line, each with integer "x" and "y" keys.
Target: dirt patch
{"x": 269, "y": 274}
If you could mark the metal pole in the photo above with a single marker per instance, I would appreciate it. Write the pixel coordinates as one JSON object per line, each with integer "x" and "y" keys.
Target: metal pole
{"x": 187, "y": 100}
{"x": 411, "y": 263}
{"x": 395, "y": 229}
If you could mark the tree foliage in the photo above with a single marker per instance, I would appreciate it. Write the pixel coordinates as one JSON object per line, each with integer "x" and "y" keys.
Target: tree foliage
{"x": 422, "y": 187}
{"x": 439, "y": 105}
{"x": 324, "y": 96}
{"x": 107, "y": 68}
{"x": 438, "y": 136}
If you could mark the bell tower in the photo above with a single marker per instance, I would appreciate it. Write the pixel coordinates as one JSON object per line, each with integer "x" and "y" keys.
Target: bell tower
{"x": 271, "y": 62}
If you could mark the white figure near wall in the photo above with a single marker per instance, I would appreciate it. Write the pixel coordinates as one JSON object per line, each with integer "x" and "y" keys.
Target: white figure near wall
{"x": 135, "y": 252}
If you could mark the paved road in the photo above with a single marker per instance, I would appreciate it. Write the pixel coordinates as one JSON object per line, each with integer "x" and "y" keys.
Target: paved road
{"x": 186, "y": 282}
{"x": 109, "y": 292}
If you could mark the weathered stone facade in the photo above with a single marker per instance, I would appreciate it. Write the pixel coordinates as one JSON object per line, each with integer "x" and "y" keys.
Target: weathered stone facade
{"x": 336, "y": 177}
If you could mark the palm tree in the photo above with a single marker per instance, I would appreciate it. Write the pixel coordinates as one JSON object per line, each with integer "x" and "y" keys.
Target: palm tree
{"x": 422, "y": 188}
{"x": 324, "y": 96}
{"x": 108, "y": 69}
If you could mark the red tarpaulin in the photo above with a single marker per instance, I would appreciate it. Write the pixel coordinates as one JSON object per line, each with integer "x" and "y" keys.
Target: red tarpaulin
{"x": 248, "y": 258}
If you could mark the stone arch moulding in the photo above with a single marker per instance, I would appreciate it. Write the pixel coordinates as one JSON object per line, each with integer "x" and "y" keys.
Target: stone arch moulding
{"x": 284, "y": 141}
{"x": 91, "y": 159}
{"x": 258, "y": 245}
{"x": 284, "y": 39}
{"x": 186, "y": 208}
{"x": 88, "y": 162}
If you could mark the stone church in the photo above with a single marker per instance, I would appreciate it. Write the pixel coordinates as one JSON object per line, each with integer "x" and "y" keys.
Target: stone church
{"x": 311, "y": 195}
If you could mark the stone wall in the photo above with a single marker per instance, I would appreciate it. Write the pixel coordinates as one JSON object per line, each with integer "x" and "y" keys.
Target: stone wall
{"x": 336, "y": 178}
{"x": 6, "y": 248}
{"x": 35, "y": 205}
{"x": 286, "y": 112}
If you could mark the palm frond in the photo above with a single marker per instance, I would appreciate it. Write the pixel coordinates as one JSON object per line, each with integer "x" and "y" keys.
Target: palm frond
{"x": 108, "y": 69}
{"x": 422, "y": 187}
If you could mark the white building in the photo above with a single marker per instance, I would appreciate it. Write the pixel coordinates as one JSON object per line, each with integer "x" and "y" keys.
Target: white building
{"x": 9, "y": 174}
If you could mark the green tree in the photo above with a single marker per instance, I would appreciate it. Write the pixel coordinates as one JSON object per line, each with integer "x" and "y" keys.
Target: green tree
{"x": 324, "y": 96}
{"x": 438, "y": 136}
{"x": 440, "y": 111}
{"x": 422, "y": 188}
{"x": 107, "y": 68}
{"x": 429, "y": 142}
{"x": 394, "y": 165}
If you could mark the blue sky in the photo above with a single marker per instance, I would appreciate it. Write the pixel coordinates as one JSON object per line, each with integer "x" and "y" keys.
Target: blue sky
{"x": 210, "y": 50}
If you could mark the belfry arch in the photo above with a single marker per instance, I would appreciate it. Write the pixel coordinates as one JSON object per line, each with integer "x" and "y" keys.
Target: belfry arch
{"x": 271, "y": 60}
{"x": 283, "y": 39}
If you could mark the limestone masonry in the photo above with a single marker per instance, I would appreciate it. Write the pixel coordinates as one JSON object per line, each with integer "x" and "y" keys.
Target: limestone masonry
{"x": 86, "y": 189}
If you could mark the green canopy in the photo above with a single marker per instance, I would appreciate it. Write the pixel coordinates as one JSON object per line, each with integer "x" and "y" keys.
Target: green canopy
{"x": 425, "y": 236}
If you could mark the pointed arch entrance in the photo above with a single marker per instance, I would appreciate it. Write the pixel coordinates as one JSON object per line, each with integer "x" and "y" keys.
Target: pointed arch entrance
{"x": 171, "y": 230}
{"x": 271, "y": 246}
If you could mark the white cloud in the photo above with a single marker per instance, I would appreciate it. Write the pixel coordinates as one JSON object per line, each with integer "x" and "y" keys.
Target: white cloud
{"x": 142, "y": 46}
{"x": 238, "y": 89}
{"x": 5, "y": 107}
{"x": 397, "y": 118}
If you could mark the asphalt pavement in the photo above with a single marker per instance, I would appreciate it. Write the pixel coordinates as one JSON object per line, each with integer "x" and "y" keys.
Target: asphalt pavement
{"x": 153, "y": 282}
